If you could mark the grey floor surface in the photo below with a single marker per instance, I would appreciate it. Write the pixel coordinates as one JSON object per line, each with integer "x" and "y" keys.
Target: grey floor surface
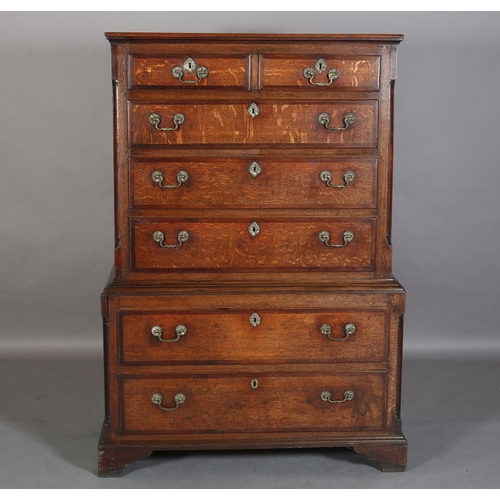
{"x": 51, "y": 411}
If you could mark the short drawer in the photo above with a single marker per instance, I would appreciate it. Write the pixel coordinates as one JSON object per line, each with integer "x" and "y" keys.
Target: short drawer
{"x": 342, "y": 124}
{"x": 198, "y": 70}
{"x": 236, "y": 402}
{"x": 258, "y": 182}
{"x": 228, "y": 244}
{"x": 253, "y": 336}
{"x": 320, "y": 73}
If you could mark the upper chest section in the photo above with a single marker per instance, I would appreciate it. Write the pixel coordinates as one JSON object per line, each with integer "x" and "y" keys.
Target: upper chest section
{"x": 284, "y": 63}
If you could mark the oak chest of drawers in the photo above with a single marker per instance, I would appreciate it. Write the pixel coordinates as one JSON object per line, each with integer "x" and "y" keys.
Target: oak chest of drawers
{"x": 251, "y": 302}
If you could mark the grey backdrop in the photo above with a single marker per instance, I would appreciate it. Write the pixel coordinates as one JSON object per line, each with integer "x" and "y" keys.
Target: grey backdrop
{"x": 56, "y": 249}
{"x": 56, "y": 205}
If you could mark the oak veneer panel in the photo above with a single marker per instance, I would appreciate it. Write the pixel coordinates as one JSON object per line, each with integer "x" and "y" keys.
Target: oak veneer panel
{"x": 229, "y": 338}
{"x": 227, "y": 182}
{"x": 355, "y": 73}
{"x": 227, "y": 244}
{"x": 227, "y": 403}
{"x": 289, "y": 123}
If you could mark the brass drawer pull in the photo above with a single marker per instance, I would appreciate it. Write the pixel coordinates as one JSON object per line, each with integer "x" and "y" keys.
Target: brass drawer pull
{"x": 324, "y": 119}
{"x": 159, "y": 237}
{"x": 178, "y": 400}
{"x": 326, "y": 177}
{"x": 349, "y": 330}
{"x": 189, "y": 66}
{"x": 182, "y": 176}
{"x": 324, "y": 236}
{"x": 321, "y": 66}
{"x": 157, "y": 331}
{"x": 155, "y": 119}
{"x": 327, "y": 396}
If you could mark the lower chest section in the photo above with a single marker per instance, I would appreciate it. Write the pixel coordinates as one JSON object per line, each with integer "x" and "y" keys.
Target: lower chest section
{"x": 240, "y": 362}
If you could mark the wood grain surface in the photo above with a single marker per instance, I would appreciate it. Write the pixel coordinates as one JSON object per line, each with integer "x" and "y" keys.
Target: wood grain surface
{"x": 227, "y": 403}
{"x": 287, "y": 123}
{"x": 354, "y": 73}
{"x": 227, "y": 182}
{"x": 227, "y": 244}
{"x": 228, "y": 337}
{"x": 223, "y": 71}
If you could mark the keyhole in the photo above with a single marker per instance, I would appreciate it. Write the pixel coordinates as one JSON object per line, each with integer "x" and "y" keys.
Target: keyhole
{"x": 254, "y": 169}
{"x": 189, "y": 65}
{"x": 254, "y": 229}
{"x": 321, "y": 65}
{"x": 254, "y": 383}
{"x": 254, "y": 320}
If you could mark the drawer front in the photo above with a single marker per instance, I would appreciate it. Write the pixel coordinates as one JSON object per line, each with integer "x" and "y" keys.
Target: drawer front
{"x": 189, "y": 72}
{"x": 252, "y": 244}
{"x": 291, "y": 124}
{"x": 254, "y": 183}
{"x": 253, "y": 336}
{"x": 232, "y": 403}
{"x": 326, "y": 73}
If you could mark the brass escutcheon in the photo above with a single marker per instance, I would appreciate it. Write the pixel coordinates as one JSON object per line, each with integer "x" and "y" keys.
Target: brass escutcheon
{"x": 254, "y": 319}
